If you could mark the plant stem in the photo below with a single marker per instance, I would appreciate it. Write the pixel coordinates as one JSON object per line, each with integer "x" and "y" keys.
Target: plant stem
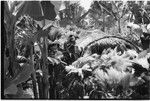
{"x": 52, "y": 90}
{"x": 33, "y": 74}
{"x": 45, "y": 70}
{"x": 34, "y": 87}
{"x": 40, "y": 86}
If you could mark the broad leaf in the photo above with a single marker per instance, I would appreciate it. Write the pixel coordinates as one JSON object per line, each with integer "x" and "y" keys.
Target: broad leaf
{"x": 12, "y": 89}
{"x": 24, "y": 75}
{"x": 38, "y": 10}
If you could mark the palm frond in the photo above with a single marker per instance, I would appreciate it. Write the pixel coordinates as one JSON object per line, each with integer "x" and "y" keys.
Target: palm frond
{"x": 97, "y": 46}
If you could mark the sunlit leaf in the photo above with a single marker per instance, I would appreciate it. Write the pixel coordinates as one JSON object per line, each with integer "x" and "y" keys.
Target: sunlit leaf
{"x": 53, "y": 60}
{"x": 143, "y": 62}
{"x": 27, "y": 94}
{"x": 79, "y": 71}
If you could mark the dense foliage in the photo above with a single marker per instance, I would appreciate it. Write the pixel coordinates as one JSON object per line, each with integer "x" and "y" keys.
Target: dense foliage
{"x": 99, "y": 53}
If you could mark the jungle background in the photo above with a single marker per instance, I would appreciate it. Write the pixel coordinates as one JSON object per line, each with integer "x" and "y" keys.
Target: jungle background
{"x": 66, "y": 50}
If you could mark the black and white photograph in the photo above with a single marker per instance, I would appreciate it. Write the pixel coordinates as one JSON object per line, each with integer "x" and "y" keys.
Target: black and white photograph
{"x": 75, "y": 50}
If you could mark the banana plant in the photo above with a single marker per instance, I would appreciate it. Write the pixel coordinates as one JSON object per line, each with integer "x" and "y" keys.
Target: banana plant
{"x": 38, "y": 11}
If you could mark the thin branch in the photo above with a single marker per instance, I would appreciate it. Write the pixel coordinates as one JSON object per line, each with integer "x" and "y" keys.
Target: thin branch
{"x": 83, "y": 16}
{"x": 105, "y": 8}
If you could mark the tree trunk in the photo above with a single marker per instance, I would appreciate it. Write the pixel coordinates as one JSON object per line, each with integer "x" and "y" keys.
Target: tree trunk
{"x": 103, "y": 29}
{"x": 11, "y": 45}
{"x": 11, "y": 52}
{"x": 119, "y": 26}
